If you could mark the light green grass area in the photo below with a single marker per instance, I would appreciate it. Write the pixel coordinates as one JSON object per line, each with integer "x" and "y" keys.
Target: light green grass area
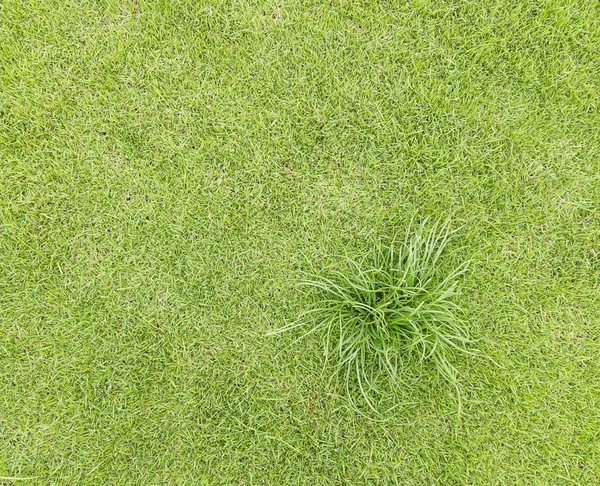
{"x": 169, "y": 169}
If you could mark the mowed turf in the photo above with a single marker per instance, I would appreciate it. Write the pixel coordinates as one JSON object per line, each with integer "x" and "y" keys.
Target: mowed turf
{"x": 169, "y": 169}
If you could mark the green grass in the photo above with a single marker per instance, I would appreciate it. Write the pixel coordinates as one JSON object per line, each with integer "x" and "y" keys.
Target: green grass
{"x": 166, "y": 169}
{"x": 388, "y": 307}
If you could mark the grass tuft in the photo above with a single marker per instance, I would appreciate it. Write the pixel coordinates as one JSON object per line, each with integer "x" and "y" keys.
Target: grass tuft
{"x": 391, "y": 307}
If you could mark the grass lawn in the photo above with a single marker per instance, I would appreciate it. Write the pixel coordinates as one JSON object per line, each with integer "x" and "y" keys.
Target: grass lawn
{"x": 169, "y": 169}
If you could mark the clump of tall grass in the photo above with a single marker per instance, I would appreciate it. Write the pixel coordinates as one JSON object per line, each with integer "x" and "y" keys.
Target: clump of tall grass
{"x": 390, "y": 307}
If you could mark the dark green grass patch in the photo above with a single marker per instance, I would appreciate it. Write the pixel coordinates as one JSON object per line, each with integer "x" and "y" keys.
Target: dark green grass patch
{"x": 388, "y": 307}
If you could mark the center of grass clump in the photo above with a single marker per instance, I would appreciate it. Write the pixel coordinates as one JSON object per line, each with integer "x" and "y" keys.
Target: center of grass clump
{"x": 391, "y": 305}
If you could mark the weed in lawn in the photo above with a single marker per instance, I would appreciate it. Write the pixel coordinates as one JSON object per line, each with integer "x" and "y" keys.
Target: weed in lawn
{"x": 392, "y": 306}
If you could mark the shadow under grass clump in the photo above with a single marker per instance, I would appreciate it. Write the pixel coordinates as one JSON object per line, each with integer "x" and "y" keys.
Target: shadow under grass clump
{"x": 389, "y": 309}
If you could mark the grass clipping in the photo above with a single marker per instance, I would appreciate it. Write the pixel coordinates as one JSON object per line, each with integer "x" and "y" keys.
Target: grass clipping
{"x": 387, "y": 309}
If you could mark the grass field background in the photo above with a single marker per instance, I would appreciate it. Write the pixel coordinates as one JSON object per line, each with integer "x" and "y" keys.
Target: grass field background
{"x": 168, "y": 170}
